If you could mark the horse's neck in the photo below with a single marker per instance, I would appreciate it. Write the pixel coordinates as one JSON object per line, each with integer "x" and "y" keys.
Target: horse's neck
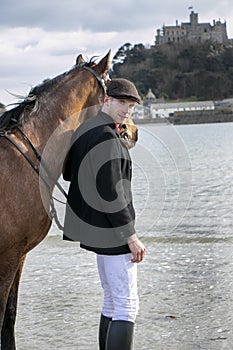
{"x": 56, "y": 115}
{"x": 50, "y": 132}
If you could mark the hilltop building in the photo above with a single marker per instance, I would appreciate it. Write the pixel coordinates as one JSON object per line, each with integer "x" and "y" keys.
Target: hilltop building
{"x": 192, "y": 32}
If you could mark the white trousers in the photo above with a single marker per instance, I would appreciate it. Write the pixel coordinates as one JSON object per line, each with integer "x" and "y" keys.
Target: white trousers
{"x": 118, "y": 276}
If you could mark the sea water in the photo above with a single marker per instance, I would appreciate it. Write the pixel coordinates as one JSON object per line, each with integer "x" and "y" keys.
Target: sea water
{"x": 183, "y": 196}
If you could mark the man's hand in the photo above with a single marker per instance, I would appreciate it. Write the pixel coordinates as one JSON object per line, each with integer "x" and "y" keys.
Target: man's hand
{"x": 137, "y": 249}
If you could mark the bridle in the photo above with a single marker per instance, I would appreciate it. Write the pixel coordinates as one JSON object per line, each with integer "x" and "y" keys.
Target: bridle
{"x": 100, "y": 80}
{"x": 42, "y": 165}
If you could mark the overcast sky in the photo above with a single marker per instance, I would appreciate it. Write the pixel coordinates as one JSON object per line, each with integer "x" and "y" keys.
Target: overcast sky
{"x": 41, "y": 39}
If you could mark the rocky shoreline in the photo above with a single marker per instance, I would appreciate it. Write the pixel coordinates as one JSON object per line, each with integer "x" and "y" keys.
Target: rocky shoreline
{"x": 202, "y": 117}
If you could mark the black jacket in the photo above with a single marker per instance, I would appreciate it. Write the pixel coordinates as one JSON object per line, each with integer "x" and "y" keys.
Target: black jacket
{"x": 99, "y": 210}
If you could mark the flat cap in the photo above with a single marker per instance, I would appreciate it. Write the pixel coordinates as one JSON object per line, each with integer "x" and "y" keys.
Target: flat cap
{"x": 123, "y": 88}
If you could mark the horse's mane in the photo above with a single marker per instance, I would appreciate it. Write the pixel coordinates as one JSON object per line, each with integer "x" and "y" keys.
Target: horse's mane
{"x": 14, "y": 116}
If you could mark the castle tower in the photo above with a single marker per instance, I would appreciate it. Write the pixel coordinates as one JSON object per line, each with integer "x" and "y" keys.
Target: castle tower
{"x": 193, "y": 18}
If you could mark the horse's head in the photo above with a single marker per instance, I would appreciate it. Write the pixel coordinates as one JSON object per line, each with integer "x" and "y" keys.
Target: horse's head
{"x": 129, "y": 133}
{"x": 94, "y": 77}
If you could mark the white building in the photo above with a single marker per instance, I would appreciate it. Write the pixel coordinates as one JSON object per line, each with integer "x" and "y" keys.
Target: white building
{"x": 164, "y": 110}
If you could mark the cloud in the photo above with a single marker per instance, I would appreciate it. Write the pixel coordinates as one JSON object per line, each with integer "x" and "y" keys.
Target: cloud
{"x": 104, "y": 16}
{"x": 40, "y": 39}
{"x": 72, "y": 15}
{"x": 29, "y": 55}
{"x": 99, "y": 16}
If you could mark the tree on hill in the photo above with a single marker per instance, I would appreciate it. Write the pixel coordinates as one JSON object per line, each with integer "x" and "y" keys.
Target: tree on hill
{"x": 184, "y": 71}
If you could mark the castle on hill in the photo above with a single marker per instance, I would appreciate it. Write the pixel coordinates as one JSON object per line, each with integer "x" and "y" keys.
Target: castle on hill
{"x": 193, "y": 32}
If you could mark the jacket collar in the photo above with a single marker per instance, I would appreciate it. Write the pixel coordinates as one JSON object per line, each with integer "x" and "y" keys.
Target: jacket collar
{"x": 108, "y": 120}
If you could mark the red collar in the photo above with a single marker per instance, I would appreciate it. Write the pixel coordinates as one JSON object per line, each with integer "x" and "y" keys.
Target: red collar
{"x": 117, "y": 127}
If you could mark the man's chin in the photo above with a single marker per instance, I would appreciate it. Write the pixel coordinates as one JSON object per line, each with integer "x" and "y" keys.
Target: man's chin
{"x": 121, "y": 120}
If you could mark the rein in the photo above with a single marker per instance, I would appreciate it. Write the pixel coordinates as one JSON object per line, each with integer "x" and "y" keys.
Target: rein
{"x": 5, "y": 134}
{"x": 53, "y": 212}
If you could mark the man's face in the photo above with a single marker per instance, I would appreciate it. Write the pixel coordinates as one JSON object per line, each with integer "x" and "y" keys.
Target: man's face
{"x": 118, "y": 109}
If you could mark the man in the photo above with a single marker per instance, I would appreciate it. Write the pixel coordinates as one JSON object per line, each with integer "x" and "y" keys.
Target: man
{"x": 100, "y": 212}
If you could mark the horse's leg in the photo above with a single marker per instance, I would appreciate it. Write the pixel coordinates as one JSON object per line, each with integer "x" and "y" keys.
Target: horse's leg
{"x": 8, "y": 328}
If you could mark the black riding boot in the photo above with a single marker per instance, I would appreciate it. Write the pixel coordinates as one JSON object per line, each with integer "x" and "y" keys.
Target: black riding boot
{"x": 103, "y": 328}
{"x": 120, "y": 335}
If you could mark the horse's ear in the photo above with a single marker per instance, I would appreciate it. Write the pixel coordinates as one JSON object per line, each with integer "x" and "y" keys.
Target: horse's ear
{"x": 103, "y": 66}
{"x": 79, "y": 60}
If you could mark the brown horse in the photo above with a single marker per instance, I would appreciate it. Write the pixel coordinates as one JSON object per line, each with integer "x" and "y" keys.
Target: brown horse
{"x": 24, "y": 218}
